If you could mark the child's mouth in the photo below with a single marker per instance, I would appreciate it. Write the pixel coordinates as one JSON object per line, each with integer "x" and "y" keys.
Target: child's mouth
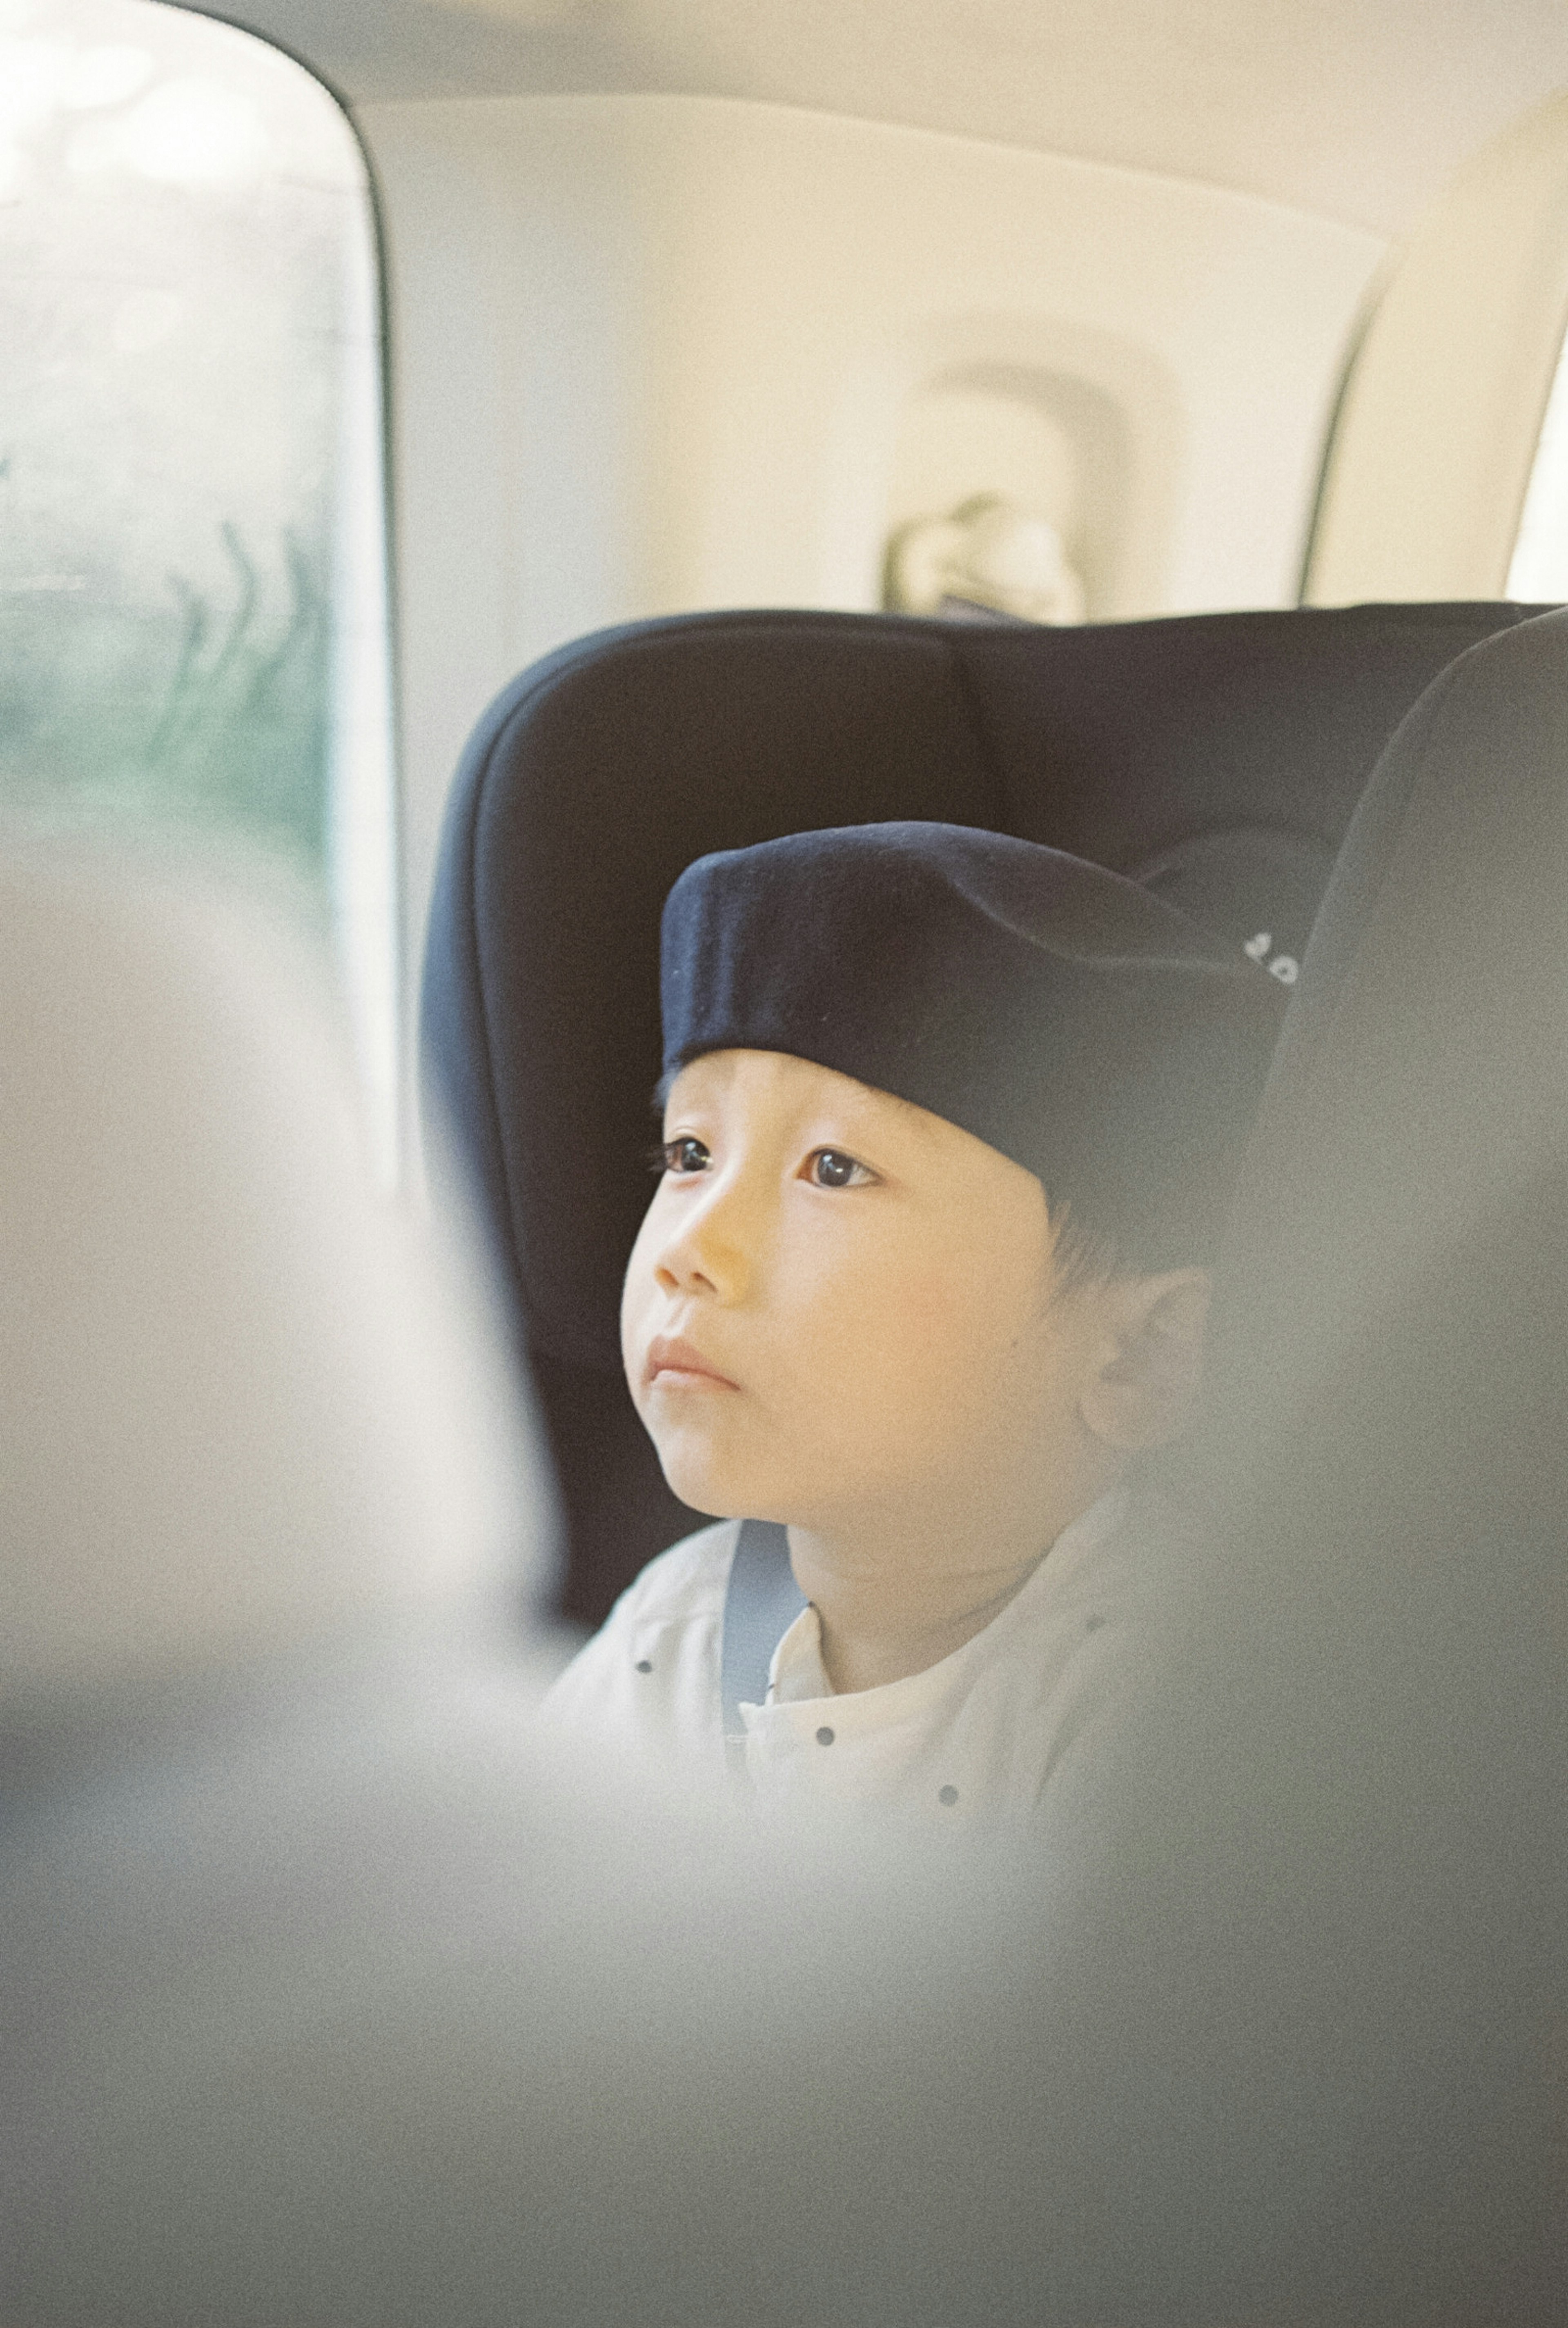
{"x": 674, "y": 1365}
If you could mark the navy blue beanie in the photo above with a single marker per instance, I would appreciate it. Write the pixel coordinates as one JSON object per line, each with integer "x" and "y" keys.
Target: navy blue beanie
{"x": 1060, "y": 1013}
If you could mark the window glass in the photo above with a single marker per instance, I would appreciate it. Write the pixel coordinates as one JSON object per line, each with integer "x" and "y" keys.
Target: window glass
{"x": 192, "y": 607}
{"x": 1538, "y": 573}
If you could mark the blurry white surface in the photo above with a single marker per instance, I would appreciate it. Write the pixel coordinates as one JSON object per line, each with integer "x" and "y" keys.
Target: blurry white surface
{"x": 249, "y": 1404}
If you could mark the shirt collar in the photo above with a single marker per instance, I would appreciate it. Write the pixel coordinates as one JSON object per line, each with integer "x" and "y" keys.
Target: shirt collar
{"x": 797, "y": 1675}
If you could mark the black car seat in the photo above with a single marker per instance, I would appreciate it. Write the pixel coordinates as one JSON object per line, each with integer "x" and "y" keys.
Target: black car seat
{"x": 1218, "y": 757}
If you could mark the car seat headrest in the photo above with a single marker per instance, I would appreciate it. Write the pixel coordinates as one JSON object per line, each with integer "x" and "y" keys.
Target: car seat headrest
{"x": 1257, "y": 886}
{"x": 247, "y": 1404}
{"x": 1419, "y": 1099}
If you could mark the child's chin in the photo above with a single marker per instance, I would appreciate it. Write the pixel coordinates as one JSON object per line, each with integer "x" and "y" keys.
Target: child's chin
{"x": 718, "y": 1489}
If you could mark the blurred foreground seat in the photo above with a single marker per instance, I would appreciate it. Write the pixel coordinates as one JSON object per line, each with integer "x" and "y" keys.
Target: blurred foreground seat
{"x": 251, "y": 1411}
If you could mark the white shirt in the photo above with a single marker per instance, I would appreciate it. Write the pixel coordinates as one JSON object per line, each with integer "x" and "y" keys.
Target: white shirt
{"x": 985, "y": 1731}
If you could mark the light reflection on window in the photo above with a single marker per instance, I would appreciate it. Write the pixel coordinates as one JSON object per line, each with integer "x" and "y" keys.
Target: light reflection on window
{"x": 193, "y": 596}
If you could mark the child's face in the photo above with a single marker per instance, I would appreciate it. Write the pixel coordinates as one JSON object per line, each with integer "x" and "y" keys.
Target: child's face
{"x": 839, "y": 1302}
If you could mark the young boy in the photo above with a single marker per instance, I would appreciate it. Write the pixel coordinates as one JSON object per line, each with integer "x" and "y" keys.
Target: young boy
{"x": 950, "y": 1124}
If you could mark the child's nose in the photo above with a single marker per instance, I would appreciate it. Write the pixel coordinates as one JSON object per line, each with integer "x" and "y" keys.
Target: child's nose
{"x": 709, "y": 1250}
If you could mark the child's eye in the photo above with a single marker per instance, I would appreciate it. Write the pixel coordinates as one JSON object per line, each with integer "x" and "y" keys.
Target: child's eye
{"x": 684, "y": 1155}
{"x": 830, "y": 1168}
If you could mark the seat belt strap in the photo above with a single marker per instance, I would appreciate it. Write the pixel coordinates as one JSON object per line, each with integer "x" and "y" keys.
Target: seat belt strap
{"x": 760, "y": 1605}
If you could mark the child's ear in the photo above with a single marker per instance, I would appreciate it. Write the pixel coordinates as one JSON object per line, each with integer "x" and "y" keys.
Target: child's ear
{"x": 1149, "y": 1368}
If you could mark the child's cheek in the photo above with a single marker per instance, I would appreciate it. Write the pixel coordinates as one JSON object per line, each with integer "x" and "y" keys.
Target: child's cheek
{"x": 905, "y": 1311}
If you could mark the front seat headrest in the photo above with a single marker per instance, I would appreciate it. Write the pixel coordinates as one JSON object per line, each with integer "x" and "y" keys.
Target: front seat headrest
{"x": 247, "y": 1406}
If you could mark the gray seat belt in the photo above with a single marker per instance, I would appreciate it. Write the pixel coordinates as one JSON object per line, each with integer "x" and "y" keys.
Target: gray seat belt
{"x": 761, "y": 1603}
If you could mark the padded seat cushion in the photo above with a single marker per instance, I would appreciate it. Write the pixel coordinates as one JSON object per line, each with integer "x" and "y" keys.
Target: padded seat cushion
{"x": 1219, "y": 757}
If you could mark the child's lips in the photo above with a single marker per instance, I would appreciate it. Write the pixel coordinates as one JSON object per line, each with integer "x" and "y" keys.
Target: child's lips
{"x": 674, "y": 1365}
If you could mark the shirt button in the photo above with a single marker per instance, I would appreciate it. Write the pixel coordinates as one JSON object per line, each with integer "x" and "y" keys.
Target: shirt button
{"x": 824, "y": 1737}
{"x": 948, "y": 1795}
{"x": 644, "y": 1665}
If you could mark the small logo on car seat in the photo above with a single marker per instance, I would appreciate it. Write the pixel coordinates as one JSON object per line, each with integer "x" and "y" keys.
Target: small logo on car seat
{"x": 1285, "y": 966}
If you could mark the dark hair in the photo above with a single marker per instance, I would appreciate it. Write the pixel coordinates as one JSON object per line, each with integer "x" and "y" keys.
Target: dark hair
{"x": 1083, "y": 1256}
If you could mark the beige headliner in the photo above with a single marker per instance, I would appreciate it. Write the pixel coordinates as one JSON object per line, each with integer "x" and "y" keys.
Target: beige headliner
{"x": 1356, "y": 108}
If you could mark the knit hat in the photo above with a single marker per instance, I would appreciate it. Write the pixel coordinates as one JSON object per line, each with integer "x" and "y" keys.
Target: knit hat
{"x": 1056, "y": 1010}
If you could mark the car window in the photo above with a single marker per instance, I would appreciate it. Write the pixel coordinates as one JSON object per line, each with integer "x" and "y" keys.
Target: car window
{"x": 192, "y": 588}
